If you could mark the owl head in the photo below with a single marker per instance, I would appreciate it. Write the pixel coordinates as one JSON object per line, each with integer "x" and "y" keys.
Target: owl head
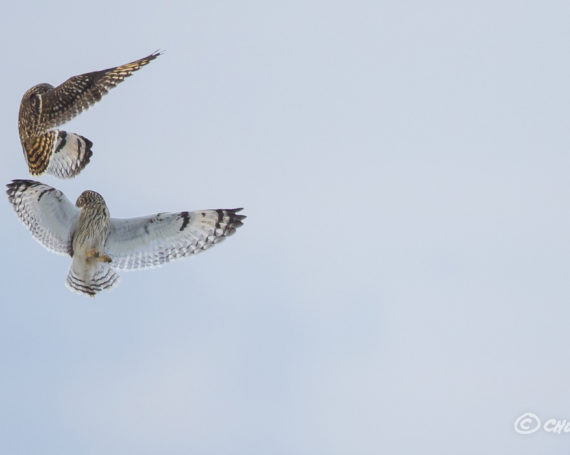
{"x": 36, "y": 90}
{"x": 89, "y": 199}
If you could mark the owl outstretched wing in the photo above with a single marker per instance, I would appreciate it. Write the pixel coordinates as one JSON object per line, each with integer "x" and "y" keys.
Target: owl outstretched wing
{"x": 155, "y": 240}
{"x": 78, "y": 93}
{"x": 46, "y": 212}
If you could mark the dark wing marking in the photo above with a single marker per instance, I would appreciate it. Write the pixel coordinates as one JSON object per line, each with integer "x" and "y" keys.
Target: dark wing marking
{"x": 155, "y": 240}
{"x": 46, "y": 212}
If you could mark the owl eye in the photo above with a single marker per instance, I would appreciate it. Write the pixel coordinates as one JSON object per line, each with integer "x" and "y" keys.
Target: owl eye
{"x": 35, "y": 100}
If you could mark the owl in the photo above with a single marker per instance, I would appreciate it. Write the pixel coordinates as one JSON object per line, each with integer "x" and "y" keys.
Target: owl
{"x": 99, "y": 245}
{"x": 44, "y": 107}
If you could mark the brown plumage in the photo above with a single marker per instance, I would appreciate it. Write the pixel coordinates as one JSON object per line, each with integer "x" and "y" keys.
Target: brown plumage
{"x": 44, "y": 107}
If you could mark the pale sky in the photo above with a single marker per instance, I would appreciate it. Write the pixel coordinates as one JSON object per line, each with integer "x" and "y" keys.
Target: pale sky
{"x": 401, "y": 282}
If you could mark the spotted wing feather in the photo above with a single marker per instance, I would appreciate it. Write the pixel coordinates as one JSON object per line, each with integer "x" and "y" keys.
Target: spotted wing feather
{"x": 46, "y": 212}
{"x": 155, "y": 240}
{"x": 78, "y": 93}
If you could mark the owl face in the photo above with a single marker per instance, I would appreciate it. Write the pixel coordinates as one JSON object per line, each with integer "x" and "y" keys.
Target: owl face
{"x": 30, "y": 109}
{"x": 89, "y": 199}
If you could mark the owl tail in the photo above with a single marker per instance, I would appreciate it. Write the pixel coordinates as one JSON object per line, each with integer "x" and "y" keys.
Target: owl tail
{"x": 90, "y": 278}
{"x": 58, "y": 153}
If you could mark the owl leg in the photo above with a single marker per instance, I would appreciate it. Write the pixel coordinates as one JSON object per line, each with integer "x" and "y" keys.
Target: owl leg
{"x": 104, "y": 258}
{"x": 94, "y": 255}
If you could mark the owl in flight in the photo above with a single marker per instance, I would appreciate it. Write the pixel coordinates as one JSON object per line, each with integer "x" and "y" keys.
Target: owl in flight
{"x": 99, "y": 245}
{"x": 44, "y": 107}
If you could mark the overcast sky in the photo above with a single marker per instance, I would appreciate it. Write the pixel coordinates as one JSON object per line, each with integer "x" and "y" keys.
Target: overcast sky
{"x": 401, "y": 282}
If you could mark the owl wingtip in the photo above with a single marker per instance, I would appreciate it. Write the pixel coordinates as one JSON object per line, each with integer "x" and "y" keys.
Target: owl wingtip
{"x": 235, "y": 215}
{"x": 18, "y": 182}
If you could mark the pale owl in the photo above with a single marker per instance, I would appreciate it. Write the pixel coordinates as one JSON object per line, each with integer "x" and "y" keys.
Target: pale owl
{"x": 99, "y": 245}
{"x": 44, "y": 107}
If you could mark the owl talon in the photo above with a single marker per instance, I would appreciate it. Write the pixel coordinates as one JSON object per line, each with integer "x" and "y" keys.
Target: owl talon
{"x": 98, "y": 257}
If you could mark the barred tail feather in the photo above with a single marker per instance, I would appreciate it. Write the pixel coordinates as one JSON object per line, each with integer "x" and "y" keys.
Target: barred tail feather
{"x": 90, "y": 279}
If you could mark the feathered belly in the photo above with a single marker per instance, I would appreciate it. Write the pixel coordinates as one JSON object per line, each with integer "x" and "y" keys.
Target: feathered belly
{"x": 90, "y": 235}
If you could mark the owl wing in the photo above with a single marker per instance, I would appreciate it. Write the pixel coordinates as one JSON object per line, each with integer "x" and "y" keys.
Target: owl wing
{"x": 78, "y": 93}
{"x": 155, "y": 240}
{"x": 46, "y": 212}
